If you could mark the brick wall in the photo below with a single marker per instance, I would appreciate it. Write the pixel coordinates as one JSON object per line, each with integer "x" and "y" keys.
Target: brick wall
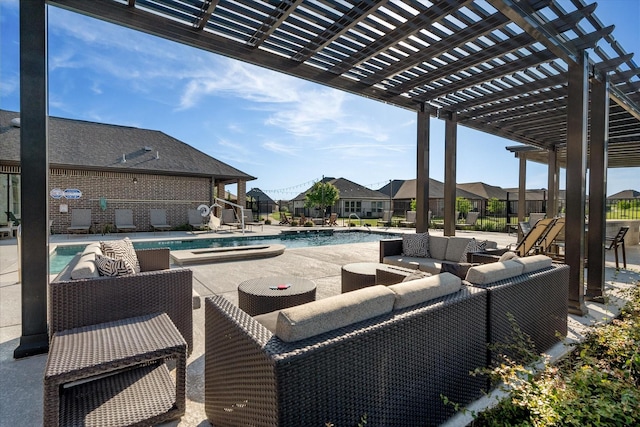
{"x": 174, "y": 193}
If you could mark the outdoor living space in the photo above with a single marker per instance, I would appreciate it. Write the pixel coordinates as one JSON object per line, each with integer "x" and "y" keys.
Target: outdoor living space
{"x": 21, "y": 394}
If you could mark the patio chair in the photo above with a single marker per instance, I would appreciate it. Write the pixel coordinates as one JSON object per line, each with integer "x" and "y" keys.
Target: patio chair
{"x": 228, "y": 218}
{"x": 12, "y": 217}
{"x": 195, "y": 220}
{"x": 304, "y": 219}
{"x": 333, "y": 219}
{"x": 409, "y": 220}
{"x": 80, "y": 221}
{"x": 532, "y": 238}
{"x": 248, "y": 220}
{"x": 284, "y": 219}
{"x": 158, "y": 220}
{"x": 386, "y": 218}
{"x": 472, "y": 218}
{"x": 535, "y": 217}
{"x": 546, "y": 244}
{"x": 124, "y": 220}
{"x": 618, "y": 241}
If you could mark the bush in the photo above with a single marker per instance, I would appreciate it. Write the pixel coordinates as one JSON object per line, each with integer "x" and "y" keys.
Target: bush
{"x": 294, "y": 223}
{"x": 267, "y": 221}
{"x": 308, "y": 224}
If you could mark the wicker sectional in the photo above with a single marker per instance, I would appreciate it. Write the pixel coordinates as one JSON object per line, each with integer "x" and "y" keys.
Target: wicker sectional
{"x": 392, "y": 368}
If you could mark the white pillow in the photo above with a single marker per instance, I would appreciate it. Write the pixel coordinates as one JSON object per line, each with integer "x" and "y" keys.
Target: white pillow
{"x": 416, "y": 245}
{"x": 421, "y": 290}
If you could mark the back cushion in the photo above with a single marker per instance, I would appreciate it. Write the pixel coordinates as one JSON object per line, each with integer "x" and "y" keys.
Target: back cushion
{"x": 438, "y": 246}
{"x": 492, "y": 272}
{"x": 534, "y": 262}
{"x": 421, "y": 290}
{"x": 314, "y": 318}
{"x": 416, "y": 245}
{"x": 456, "y": 249}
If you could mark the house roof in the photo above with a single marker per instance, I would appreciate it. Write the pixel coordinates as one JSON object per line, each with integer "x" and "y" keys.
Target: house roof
{"x": 499, "y": 66}
{"x": 436, "y": 191}
{"x": 257, "y": 193}
{"x": 625, "y": 194}
{"x": 88, "y": 145}
{"x": 483, "y": 190}
{"x": 349, "y": 190}
{"x": 393, "y": 187}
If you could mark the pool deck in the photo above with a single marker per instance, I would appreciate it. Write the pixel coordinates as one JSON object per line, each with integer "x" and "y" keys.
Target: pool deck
{"x": 21, "y": 387}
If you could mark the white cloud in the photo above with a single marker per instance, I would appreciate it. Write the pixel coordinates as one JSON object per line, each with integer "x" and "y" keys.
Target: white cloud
{"x": 281, "y": 148}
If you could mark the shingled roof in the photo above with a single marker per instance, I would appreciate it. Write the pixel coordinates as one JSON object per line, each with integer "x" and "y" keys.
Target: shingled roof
{"x": 76, "y": 144}
{"x": 436, "y": 191}
{"x": 349, "y": 190}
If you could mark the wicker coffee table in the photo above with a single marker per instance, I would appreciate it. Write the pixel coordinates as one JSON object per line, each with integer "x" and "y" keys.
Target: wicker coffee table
{"x": 265, "y": 294}
{"x": 359, "y": 275}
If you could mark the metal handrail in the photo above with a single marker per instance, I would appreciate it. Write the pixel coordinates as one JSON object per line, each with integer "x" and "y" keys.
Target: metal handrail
{"x": 356, "y": 215}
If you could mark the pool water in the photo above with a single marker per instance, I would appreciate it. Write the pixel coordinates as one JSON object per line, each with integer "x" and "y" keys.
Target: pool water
{"x": 64, "y": 254}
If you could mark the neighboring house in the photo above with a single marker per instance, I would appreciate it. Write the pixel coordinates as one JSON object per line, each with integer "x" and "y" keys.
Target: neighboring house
{"x": 407, "y": 192}
{"x": 260, "y": 202}
{"x": 115, "y": 167}
{"x": 354, "y": 199}
{"x": 625, "y": 195}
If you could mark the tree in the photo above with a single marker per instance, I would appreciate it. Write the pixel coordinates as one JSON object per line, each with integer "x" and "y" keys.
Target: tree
{"x": 463, "y": 205}
{"x": 321, "y": 195}
{"x": 495, "y": 206}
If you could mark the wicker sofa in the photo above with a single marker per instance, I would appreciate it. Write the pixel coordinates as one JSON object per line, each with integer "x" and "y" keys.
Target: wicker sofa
{"x": 93, "y": 299}
{"x": 392, "y": 367}
{"x": 452, "y": 253}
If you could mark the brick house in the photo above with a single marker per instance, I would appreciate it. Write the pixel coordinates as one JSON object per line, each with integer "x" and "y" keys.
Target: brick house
{"x": 115, "y": 167}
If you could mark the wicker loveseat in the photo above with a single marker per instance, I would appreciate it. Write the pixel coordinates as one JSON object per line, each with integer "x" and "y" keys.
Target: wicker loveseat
{"x": 97, "y": 299}
{"x": 393, "y": 367}
{"x": 452, "y": 253}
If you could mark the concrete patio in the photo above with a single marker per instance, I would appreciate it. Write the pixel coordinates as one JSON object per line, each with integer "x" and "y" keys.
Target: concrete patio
{"x": 21, "y": 380}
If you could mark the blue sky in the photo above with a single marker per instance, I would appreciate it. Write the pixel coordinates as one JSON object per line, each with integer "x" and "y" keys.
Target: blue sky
{"x": 285, "y": 131}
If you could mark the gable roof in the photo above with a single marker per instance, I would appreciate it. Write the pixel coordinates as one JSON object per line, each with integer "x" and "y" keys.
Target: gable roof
{"x": 258, "y": 194}
{"x": 393, "y": 187}
{"x": 483, "y": 190}
{"x": 77, "y": 144}
{"x": 436, "y": 191}
{"x": 625, "y": 194}
{"x": 349, "y": 190}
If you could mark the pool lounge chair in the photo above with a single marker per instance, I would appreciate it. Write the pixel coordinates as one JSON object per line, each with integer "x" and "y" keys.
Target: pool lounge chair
{"x": 472, "y": 218}
{"x": 158, "y": 220}
{"x": 248, "y": 220}
{"x": 196, "y": 220}
{"x": 284, "y": 219}
{"x": 80, "y": 221}
{"x": 386, "y": 218}
{"x": 333, "y": 220}
{"x": 532, "y": 239}
{"x": 124, "y": 220}
{"x": 228, "y": 218}
{"x": 409, "y": 220}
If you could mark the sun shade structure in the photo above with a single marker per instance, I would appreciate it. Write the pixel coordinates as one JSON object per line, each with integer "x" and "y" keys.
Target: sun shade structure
{"x": 500, "y": 65}
{"x": 542, "y": 73}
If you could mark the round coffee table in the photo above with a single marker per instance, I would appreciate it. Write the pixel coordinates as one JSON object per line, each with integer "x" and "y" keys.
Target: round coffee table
{"x": 265, "y": 294}
{"x": 359, "y": 275}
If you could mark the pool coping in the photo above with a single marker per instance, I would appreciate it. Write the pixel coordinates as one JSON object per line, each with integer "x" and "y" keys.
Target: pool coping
{"x": 236, "y": 253}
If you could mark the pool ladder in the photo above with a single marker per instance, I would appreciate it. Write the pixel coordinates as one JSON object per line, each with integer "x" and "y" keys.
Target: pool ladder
{"x": 356, "y": 215}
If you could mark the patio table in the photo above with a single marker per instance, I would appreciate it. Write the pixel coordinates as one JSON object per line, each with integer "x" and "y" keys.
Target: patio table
{"x": 266, "y": 294}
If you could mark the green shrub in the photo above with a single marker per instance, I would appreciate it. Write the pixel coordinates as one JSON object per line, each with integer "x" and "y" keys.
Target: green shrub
{"x": 294, "y": 223}
{"x": 308, "y": 224}
{"x": 267, "y": 221}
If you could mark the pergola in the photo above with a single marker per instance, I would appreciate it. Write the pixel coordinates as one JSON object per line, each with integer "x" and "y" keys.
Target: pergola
{"x": 531, "y": 71}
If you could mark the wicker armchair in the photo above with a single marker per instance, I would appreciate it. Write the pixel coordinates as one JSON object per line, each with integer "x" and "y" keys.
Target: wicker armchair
{"x": 393, "y": 368}
{"x": 156, "y": 289}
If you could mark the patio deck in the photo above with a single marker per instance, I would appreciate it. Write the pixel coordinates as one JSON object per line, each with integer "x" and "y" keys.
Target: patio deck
{"x": 21, "y": 387}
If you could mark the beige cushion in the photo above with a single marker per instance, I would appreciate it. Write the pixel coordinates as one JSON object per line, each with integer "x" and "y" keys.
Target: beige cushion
{"x": 456, "y": 249}
{"x": 415, "y": 275}
{"x": 93, "y": 248}
{"x": 507, "y": 256}
{"x": 438, "y": 246}
{"x": 421, "y": 290}
{"x": 307, "y": 320}
{"x": 492, "y": 272}
{"x": 534, "y": 263}
{"x": 85, "y": 268}
{"x": 268, "y": 320}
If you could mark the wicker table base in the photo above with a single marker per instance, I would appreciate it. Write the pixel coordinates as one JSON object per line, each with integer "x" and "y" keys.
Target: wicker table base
{"x": 258, "y": 296}
{"x": 114, "y": 374}
{"x": 362, "y": 274}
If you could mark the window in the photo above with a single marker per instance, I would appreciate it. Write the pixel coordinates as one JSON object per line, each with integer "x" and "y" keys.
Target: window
{"x": 376, "y": 207}
{"x": 352, "y": 206}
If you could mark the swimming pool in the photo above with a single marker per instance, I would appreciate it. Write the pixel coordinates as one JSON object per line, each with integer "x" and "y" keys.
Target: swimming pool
{"x": 303, "y": 239}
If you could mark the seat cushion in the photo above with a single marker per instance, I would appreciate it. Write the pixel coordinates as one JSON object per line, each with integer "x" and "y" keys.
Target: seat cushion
{"x": 314, "y": 318}
{"x": 534, "y": 263}
{"x": 425, "y": 289}
{"x": 492, "y": 272}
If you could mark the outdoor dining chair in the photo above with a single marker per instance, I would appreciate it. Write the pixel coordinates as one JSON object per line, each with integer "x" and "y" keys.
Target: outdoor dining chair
{"x": 618, "y": 241}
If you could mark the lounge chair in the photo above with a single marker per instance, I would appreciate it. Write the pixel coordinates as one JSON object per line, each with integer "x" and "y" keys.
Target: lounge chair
{"x": 158, "y": 220}
{"x": 12, "y": 217}
{"x": 546, "y": 245}
{"x": 248, "y": 220}
{"x": 386, "y": 218}
{"x": 304, "y": 220}
{"x": 80, "y": 221}
{"x": 229, "y": 219}
{"x": 333, "y": 220}
{"x": 532, "y": 239}
{"x": 124, "y": 220}
{"x": 196, "y": 220}
{"x": 618, "y": 241}
{"x": 284, "y": 219}
{"x": 409, "y": 220}
{"x": 534, "y": 217}
{"x": 472, "y": 218}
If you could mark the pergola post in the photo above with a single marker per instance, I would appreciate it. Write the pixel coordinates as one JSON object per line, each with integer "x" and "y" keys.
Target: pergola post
{"x": 422, "y": 181}
{"x": 552, "y": 183}
{"x": 450, "y": 158}
{"x": 34, "y": 173}
{"x": 522, "y": 190}
{"x": 577, "y": 113}
{"x": 598, "y": 147}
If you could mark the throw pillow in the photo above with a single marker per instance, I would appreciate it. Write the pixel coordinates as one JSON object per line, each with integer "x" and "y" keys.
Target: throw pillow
{"x": 113, "y": 267}
{"x": 121, "y": 249}
{"x": 416, "y": 275}
{"x": 472, "y": 246}
{"x": 416, "y": 245}
{"x": 507, "y": 256}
